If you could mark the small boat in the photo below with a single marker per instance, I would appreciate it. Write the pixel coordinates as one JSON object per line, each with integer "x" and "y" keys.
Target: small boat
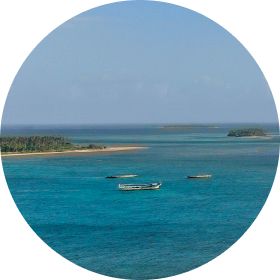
{"x": 200, "y": 176}
{"x": 123, "y": 176}
{"x": 134, "y": 187}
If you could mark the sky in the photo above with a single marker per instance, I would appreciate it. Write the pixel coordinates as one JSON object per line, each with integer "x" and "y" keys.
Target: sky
{"x": 139, "y": 62}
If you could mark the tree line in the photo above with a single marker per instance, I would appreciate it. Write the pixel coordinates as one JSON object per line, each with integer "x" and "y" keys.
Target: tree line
{"x": 21, "y": 144}
{"x": 245, "y": 132}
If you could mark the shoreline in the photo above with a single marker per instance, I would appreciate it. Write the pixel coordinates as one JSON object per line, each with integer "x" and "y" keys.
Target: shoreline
{"x": 248, "y": 136}
{"x": 114, "y": 149}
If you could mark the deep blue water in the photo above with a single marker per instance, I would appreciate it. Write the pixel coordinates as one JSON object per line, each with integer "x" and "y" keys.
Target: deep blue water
{"x": 83, "y": 216}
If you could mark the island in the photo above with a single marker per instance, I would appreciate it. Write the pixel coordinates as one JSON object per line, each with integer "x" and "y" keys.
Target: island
{"x": 189, "y": 127}
{"x": 50, "y": 146}
{"x": 247, "y": 132}
{"x": 25, "y": 144}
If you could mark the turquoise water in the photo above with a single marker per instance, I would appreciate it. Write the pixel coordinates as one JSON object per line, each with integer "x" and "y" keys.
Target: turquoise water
{"x": 83, "y": 216}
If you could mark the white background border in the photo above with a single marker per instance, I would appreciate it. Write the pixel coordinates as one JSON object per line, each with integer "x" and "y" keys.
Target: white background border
{"x": 24, "y": 24}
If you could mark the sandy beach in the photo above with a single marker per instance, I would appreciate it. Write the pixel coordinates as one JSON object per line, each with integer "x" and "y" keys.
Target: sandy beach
{"x": 116, "y": 149}
{"x": 248, "y": 136}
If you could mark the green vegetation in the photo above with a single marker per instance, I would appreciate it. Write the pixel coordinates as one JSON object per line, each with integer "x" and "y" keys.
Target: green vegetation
{"x": 247, "y": 132}
{"x": 24, "y": 144}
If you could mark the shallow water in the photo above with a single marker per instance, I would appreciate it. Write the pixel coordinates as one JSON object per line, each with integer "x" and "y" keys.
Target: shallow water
{"x": 83, "y": 216}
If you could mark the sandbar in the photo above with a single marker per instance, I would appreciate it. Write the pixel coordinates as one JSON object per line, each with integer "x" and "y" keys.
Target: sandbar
{"x": 261, "y": 136}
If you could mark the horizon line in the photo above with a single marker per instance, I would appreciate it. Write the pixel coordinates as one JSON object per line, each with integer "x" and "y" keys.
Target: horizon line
{"x": 126, "y": 124}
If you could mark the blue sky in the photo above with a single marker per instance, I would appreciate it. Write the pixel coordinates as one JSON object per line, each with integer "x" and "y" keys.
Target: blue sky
{"x": 139, "y": 62}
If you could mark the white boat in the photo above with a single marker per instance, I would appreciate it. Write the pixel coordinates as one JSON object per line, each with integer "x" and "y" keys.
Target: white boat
{"x": 200, "y": 176}
{"x": 134, "y": 187}
{"x": 123, "y": 176}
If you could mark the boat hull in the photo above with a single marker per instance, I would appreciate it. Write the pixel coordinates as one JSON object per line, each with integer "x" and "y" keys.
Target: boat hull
{"x": 135, "y": 187}
{"x": 122, "y": 176}
{"x": 200, "y": 176}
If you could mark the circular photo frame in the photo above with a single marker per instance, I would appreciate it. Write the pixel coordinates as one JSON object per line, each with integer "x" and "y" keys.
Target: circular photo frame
{"x": 140, "y": 140}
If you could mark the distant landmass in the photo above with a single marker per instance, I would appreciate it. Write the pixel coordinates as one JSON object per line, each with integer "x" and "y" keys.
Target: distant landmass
{"x": 189, "y": 127}
{"x": 247, "y": 132}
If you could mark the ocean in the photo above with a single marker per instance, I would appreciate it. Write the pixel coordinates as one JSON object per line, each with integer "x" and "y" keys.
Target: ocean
{"x": 84, "y": 217}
